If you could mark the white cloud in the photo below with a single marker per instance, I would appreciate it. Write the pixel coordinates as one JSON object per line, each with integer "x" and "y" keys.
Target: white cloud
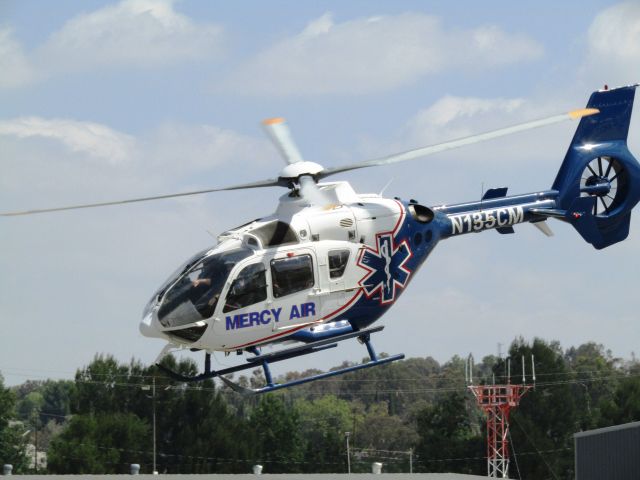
{"x": 198, "y": 147}
{"x": 375, "y": 54}
{"x": 14, "y": 64}
{"x": 93, "y": 139}
{"x": 452, "y": 117}
{"x": 139, "y": 33}
{"x": 458, "y": 114}
{"x": 172, "y": 146}
{"x": 131, "y": 33}
{"x": 614, "y": 44}
{"x": 52, "y": 156}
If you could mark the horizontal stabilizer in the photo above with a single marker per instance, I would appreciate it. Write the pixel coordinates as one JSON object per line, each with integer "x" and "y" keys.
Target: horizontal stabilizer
{"x": 495, "y": 193}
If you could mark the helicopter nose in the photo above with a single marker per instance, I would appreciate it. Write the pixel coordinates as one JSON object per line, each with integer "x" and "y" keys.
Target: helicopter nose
{"x": 146, "y": 326}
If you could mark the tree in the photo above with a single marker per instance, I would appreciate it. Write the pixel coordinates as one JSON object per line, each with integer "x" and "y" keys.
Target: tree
{"x": 12, "y": 447}
{"x": 57, "y": 396}
{"x": 48, "y": 432}
{"x": 29, "y": 406}
{"x": 276, "y": 435}
{"x": 447, "y": 441}
{"x": 594, "y": 370}
{"x": 100, "y": 444}
{"x": 548, "y": 416}
{"x": 106, "y": 386}
{"x": 624, "y": 404}
{"x": 323, "y": 423}
{"x": 383, "y": 435}
{"x": 196, "y": 431}
{"x": 204, "y": 429}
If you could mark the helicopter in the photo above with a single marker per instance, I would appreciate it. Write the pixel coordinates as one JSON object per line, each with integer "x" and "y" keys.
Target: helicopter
{"x": 330, "y": 262}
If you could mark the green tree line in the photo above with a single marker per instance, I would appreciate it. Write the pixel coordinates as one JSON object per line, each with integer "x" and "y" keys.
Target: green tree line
{"x": 416, "y": 410}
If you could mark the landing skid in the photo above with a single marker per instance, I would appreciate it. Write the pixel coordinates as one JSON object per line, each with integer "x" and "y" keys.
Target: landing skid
{"x": 263, "y": 360}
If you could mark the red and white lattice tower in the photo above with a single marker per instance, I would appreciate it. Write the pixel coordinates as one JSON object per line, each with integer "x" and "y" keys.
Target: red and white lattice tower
{"x": 497, "y": 401}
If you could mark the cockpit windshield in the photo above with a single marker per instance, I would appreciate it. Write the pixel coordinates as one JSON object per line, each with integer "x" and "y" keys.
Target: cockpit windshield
{"x": 193, "y": 293}
{"x": 180, "y": 270}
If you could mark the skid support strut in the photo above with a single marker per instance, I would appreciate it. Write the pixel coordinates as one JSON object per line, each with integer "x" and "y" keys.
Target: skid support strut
{"x": 264, "y": 361}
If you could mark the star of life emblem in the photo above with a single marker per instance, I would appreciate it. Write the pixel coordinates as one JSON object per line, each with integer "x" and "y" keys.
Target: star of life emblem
{"x": 386, "y": 271}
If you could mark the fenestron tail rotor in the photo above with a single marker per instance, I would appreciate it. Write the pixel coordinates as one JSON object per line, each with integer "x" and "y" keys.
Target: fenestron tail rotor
{"x": 605, "y": 179}
{"x": 301, "y": 175}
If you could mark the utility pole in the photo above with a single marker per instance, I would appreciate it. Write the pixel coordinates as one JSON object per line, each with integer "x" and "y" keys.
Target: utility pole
{"x": 346, "y": 436}
{"x": 154, "y": 425}
{"x": 35, "y": 416}
{"x": 35, "y": 451}
{"x": 153, "y": 400}
{"x": 411, "y": 460}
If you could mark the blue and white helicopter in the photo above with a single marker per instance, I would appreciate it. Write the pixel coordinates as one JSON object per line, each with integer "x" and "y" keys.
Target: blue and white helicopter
{"x": 330, "y": 262}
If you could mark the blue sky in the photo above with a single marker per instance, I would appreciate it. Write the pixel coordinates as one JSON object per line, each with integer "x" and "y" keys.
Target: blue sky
{"x": 104, "y": 100}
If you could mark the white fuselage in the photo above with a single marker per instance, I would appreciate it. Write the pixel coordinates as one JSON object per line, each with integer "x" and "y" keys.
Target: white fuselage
{"x": 319, "y": 268}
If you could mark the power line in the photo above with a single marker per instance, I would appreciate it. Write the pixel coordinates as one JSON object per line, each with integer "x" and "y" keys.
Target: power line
{"x": 285, "y": 460}
{"x": 536, "y": 448}
{"x": 515, "y": 456}
{"x": 377, "y": 391}
{"x": 437, "y": 376}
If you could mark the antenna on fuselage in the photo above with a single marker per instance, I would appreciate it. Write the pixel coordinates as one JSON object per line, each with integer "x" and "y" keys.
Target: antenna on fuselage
{"x": 386, "y": 186}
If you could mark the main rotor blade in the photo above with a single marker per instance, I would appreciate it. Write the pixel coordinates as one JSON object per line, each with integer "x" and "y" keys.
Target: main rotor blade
{"x": 440, "y": 147}
{"x": 280, "y": 135}
{"x": 262, "y": 183}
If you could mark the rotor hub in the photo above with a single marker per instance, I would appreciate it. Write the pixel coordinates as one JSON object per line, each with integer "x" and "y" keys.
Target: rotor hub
{"x": 597, "y": 185}
{"x": 294, "y": 171}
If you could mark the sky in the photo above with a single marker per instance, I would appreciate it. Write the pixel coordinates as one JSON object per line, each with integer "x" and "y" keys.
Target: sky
{"x": 109, "y": 100}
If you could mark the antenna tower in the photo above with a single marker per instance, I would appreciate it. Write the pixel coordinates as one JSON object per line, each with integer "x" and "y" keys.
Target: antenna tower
{"x": 496, "y": 401}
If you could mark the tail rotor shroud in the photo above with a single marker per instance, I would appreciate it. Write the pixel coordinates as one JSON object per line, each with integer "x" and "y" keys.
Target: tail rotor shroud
{"x": 598, "y": 183}
{"x": 606, "y": 179}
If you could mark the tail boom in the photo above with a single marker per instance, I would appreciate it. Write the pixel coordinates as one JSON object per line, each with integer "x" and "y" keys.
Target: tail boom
{"x": 596, "y": 188}
{"x": 496, "y": 213}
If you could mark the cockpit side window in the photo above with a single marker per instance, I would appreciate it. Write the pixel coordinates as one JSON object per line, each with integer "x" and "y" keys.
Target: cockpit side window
{"x": 338, "y": 260}
{"x": 291, "y": 274}
{"x": 249, "y": 287}
{"x": 275, "y": 233}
